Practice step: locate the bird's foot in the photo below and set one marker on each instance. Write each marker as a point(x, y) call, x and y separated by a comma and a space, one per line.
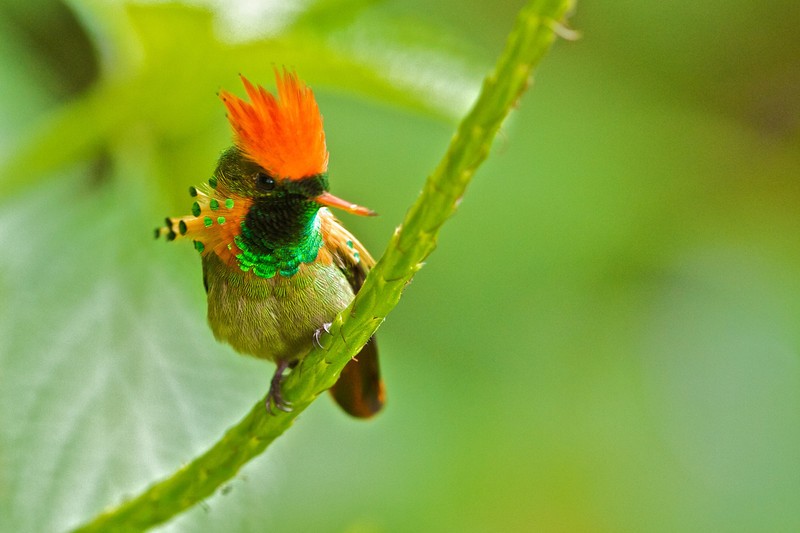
point(274, 396)
point(326, 327)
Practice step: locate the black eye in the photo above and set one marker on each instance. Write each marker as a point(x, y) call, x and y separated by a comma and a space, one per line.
point(265, 181)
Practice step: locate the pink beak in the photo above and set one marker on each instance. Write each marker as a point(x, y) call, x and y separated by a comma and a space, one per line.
point(330, 200)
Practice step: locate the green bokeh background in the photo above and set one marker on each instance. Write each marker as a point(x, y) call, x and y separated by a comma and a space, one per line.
point(606, 339)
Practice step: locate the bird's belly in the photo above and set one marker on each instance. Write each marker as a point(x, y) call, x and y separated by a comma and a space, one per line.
point(273, 318)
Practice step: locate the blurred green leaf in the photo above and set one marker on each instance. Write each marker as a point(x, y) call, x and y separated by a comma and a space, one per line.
point(331, 14)
point(88, 387)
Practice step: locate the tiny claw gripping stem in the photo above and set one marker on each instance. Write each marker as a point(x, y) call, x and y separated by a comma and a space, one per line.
point(275, 396)
point(318, 333)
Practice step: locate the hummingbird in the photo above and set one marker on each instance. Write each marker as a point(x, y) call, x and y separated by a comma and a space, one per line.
point(277, 265)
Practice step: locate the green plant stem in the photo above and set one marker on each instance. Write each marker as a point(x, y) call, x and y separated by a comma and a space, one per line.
point(411, 244)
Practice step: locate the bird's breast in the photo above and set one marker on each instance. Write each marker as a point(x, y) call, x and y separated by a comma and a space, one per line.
point(273, 318)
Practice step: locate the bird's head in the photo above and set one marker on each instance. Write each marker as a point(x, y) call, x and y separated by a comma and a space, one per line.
point(280, 153)
point(268, 187)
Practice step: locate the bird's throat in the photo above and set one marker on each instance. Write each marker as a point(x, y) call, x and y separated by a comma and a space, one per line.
point(277, 238)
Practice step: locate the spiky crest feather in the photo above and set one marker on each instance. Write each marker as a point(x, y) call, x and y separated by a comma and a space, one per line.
point(284, 135)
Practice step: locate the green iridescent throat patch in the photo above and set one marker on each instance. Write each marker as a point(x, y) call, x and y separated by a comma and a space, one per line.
point(284, 260)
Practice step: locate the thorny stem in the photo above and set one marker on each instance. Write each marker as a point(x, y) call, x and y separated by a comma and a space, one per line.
point(414, 240)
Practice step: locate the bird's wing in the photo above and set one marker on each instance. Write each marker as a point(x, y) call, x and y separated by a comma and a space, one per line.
point(359, 390)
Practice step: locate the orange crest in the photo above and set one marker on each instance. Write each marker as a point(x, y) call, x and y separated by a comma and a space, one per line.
point(284, 135)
